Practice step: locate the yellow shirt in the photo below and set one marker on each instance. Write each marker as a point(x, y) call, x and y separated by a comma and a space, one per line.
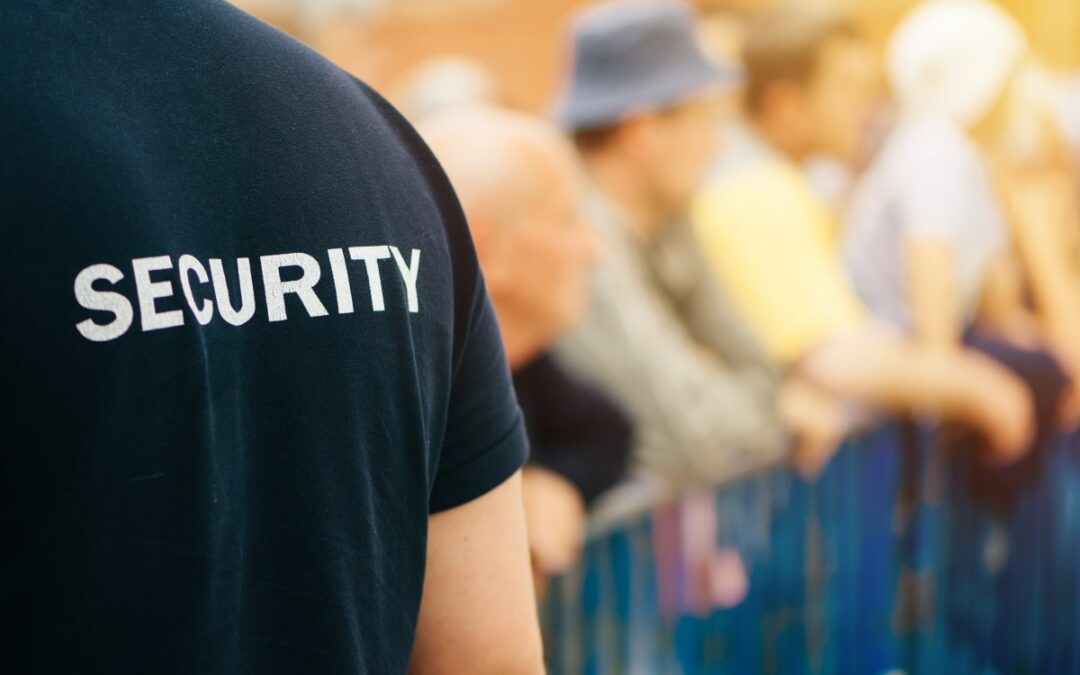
point(772, 242)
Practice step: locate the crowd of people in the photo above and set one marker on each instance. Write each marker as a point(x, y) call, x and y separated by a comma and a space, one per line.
point(784, 249)
point(698, 263)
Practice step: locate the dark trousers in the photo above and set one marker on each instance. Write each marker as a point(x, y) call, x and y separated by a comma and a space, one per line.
point(1047, 382)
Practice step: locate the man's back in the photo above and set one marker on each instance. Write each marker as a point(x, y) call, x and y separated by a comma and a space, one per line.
point(246, 338)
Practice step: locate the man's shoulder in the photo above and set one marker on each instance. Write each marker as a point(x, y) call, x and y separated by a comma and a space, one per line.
point(159, 47)
point(762, 195)
point(762, 178)
point(331, 91)
point(749, 171)
point(921, 142)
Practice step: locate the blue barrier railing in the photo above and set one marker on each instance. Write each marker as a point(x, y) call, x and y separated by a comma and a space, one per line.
point(888, 561)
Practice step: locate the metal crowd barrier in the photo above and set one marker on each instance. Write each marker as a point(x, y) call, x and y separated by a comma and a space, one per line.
point(892, 560)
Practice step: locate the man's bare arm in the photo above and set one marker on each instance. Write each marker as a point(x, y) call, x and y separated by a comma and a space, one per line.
point(478, 612)
point(936, 316)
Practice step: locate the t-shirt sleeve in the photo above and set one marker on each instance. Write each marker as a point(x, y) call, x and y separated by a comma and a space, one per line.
point(765, 217)
point(484, 442)
point(933, 184)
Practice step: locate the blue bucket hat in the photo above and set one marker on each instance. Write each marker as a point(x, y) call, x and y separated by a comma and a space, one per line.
point(633, 55)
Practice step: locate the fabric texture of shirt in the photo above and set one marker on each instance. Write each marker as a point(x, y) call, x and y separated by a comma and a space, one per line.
point(663, 342)
point(574, 430)
point(772, 243)
point(928, 182)
point(248, 349)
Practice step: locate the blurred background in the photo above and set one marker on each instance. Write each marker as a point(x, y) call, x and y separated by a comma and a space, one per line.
point(522, 41)
point(893, 214)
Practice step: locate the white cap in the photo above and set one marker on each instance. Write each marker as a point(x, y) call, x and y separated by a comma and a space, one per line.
point(954, 57)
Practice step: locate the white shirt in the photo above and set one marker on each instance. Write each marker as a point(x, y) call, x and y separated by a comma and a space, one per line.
point(928, 182)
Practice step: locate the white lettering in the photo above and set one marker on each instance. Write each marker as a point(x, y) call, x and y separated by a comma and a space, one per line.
point(205, 289)
point(105, 301)
point(188, 264)
point(371, 255)
point(149, 291)
point(276, 289)
point(341, 280)
point(221, 292)
point(408, 275)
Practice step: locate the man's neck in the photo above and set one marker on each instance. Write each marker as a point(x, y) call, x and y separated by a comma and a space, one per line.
point(520, 352)
point(621, 186)
point(778, 140)
point(520, 344)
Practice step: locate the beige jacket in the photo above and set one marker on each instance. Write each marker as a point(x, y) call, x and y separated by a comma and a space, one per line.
point(663, 341)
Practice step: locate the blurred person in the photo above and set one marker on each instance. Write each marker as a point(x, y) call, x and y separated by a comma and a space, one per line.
point(264, 421)
point(522, 191)
point(1067, 110)
point(927, 241)
point(659, 336)
point(774, 242)
point(1035, 171)
point(925, 217)
point(805, 93)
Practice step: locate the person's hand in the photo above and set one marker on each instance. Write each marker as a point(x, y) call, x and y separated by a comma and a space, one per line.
point(1004, 412)
point(555, 520)
point(817, 421)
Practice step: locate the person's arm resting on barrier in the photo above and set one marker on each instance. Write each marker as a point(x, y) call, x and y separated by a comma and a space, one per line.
point(697, 416)
point(1001, 410)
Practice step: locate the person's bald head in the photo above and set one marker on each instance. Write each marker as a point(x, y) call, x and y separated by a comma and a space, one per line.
point(519, 183)
point(500, 162)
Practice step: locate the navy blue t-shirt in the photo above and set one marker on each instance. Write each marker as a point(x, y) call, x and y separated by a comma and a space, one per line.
point(247, 350)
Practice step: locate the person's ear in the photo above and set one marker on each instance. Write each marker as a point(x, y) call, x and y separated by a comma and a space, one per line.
point(486, 235)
